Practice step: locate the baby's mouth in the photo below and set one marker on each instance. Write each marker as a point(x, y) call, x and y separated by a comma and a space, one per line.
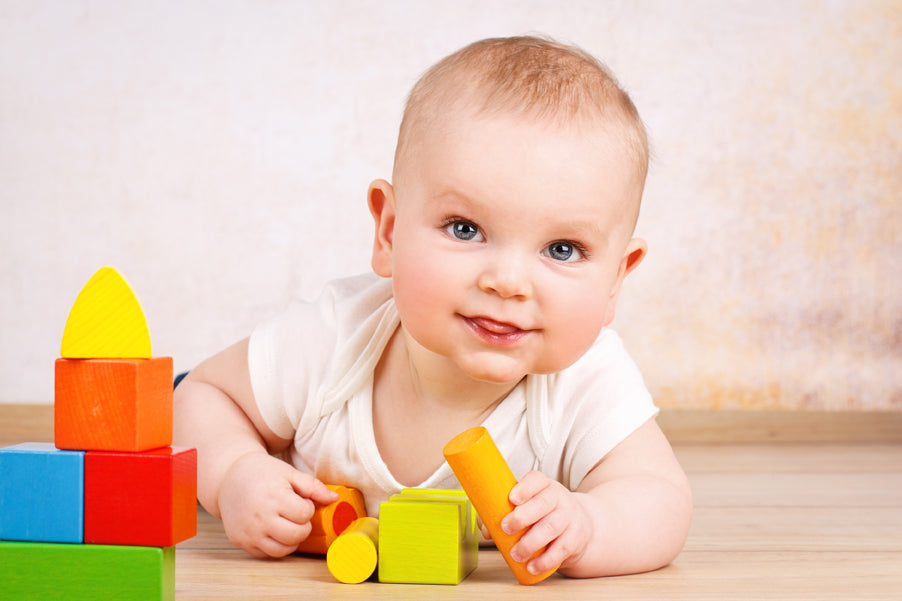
point(499, 328)
point(496, 333)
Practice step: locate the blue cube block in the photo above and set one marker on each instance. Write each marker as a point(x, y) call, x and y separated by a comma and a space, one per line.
point(42, 493)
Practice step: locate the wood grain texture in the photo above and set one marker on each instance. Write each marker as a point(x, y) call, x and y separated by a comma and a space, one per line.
point(106, 321)
point(354, 555)
point(834, 535)
point(26, 423)
point(427, 537)
point(745, 543)
point(147, 498)
point(487, 479)
point(34, 422)
point(41, 493)
point(113, 404)
point(706, 426)
point(36, 571)
point(329, 521)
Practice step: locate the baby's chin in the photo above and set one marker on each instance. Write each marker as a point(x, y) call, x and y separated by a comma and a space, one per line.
point(492, 372)
point(500, 371)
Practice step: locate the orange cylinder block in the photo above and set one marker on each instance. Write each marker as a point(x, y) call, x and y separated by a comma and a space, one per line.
point(487, 479)
point(329, 521)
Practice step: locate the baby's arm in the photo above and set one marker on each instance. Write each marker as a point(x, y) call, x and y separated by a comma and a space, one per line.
point(630, 514)
point(265, 504)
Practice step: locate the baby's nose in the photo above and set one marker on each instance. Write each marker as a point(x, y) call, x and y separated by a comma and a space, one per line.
point(508, 276)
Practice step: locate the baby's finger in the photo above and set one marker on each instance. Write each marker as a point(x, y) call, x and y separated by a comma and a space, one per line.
point(270, 547)
point(256, 551)
point(561, 549)
point(540, 534)
point(288, 533)
point(530, 512)
point(296, 508)
point(532, 484)
point(310, 488)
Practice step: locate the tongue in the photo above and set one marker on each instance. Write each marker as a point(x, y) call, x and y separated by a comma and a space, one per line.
point(495, 327)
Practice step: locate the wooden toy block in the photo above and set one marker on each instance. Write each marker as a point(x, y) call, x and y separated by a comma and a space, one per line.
point(329, 521)
point(38, 571)
point(487, 479)
point(469, 525)
point(353, 556)
point(41, 494)
point(113, 404)
point(106, 321)
point(146, 498)
point(427, 537)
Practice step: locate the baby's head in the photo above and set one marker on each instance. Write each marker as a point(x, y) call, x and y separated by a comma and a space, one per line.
point(507, 229)
point(534, 79)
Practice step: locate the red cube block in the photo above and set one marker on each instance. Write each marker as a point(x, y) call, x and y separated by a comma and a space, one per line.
point(144, 499)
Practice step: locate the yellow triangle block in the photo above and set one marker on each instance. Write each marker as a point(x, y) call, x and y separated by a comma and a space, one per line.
point(106, 321)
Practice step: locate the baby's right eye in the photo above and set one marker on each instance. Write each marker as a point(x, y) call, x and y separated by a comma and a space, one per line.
point(464, 230)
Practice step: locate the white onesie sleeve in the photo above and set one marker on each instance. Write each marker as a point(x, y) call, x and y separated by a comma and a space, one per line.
point(297, 359)
point(597, 403)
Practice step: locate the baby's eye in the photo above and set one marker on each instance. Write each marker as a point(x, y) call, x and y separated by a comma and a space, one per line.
point(464, 230)
point(566, 252)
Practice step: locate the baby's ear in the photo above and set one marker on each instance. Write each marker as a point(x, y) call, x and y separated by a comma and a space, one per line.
point(381, 200)
point(635, 251)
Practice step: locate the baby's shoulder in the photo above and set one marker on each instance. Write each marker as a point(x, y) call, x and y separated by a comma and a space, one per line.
point(605, 376)
point(606, 354)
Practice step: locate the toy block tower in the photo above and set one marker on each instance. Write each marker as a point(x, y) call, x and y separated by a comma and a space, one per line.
point(111, 497)
point(427, 537)
point(110, 394)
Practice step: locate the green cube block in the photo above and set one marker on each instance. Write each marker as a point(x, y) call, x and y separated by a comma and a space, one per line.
point(427, 537)
point(81, 572)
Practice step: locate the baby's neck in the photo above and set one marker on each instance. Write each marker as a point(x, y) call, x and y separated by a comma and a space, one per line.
point(419, 405)
point(434, 381)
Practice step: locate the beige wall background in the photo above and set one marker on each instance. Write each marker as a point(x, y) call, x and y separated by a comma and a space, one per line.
point(218, 154)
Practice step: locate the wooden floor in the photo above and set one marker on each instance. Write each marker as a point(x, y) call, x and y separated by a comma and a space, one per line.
point(773, 520)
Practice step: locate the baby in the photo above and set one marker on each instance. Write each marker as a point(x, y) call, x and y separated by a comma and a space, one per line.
point(500, 248)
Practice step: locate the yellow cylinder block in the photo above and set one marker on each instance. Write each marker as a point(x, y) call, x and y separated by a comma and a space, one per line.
point(353, 556)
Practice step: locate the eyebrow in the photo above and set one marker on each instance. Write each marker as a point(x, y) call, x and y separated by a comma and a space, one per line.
point(585, 228)
point(454, 196)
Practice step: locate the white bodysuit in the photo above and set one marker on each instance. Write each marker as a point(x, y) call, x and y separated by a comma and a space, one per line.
point(312, 367)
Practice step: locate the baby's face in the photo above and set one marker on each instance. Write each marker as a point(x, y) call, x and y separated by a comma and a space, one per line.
point(508, 242)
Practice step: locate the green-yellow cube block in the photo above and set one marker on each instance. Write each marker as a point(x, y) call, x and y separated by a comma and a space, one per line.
point(427, 537)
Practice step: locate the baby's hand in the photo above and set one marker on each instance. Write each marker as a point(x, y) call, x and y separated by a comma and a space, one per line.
point(553, 516)
point(266, 504)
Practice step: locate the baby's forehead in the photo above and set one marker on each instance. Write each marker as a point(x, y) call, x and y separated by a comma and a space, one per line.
point(586, 160)
point(606, 136)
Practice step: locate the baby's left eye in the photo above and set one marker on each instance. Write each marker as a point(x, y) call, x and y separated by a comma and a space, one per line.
point(464, 230)
point(563, 251)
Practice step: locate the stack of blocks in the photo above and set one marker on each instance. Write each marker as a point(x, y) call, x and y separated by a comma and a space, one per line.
point(97, 514)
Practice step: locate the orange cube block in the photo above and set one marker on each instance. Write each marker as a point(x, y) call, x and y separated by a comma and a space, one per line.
point(113, 404)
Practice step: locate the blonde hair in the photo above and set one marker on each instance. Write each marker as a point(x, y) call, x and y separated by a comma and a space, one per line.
point(528, 75)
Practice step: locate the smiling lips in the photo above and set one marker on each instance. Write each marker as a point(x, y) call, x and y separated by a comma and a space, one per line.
point(495, 332)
